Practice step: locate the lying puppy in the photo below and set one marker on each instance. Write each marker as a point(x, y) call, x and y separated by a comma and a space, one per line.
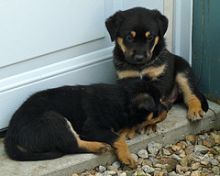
point(140, 52)
point(78, 119)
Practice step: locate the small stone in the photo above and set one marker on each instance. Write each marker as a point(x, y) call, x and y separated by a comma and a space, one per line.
point(98, 174)
point(218, 158)
point(176, 157)
point(217, 148)
point(180, 169)
point(129, 172)
point(216, 138)
point(134, 156)
point(143, 154)
point(184, 162)
point(196, 173)
point(111, 168)
point(116, 164)
point(110, 172)
point(166, 152)
point(139, 172)
point(148, 169)
point(140, 161)
point(182, 145)
point(75, 174)
point(206, 158)
point(214, 162)
point(209, 142)
point(154, 147)
point(201, 149)
point(182, 153)
point(195, 166)
point(216, 170)
point(189, 149)
point(194, 157)
point(159, 173)
point(204, 162)
point(173, 174)
point(188, 173)
point(122, 174)
point(170, 163)
point(175, 148)
point(191, 138)
point(153, 160)
point(162, 166)
point(102, 169)
point(147, 162)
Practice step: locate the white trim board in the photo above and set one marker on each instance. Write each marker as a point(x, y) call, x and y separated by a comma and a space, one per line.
point(183, 21)
point(89, 68)
point(168, 12)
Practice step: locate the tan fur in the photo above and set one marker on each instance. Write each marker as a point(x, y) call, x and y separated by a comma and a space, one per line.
point(122, 152)
point(153, 121)
point(133, 34)
point(122, 45)
point(128, 74)
point(156, 40)
point(194, 105)
point(128, 133)
point(94, 147)
point(147, 34)
point(90, 146)
point(154, 72)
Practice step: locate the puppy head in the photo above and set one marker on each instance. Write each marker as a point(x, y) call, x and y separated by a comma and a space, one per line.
point(137, 32)
point(144, 101)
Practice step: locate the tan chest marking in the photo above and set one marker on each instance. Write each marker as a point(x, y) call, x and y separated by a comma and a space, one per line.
point(154, 72)
point(156, 41)
point(128, 74)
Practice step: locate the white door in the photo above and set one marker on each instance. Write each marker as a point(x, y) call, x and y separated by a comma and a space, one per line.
point(49, 43)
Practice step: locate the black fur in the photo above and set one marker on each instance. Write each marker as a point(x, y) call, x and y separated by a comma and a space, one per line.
point(38, 130)
point(141, 20)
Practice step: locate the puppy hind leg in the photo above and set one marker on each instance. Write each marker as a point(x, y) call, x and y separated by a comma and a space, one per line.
point(85, 146)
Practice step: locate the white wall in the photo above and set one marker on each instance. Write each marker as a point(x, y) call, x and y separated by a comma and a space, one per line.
point(182, 36)
point(49, 43)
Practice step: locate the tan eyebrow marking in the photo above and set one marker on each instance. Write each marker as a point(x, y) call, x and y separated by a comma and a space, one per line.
point(133, 34)
point(147, 34)
point(121, 44)
point(155, 43)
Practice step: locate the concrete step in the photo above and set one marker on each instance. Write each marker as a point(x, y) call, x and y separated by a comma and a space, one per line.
point(174, 128)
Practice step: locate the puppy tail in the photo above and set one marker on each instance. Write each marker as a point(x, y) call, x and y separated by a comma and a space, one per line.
point(18, 153)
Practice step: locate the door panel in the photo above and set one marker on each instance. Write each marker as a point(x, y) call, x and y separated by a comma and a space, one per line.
point(206, 55)
point(31, 28)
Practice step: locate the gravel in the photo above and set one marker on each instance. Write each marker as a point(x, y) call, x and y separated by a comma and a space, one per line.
point(197, 155)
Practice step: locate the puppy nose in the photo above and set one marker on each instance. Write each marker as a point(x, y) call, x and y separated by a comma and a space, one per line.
point(139, 57)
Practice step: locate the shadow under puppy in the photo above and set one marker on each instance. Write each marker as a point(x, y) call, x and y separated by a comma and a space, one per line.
point(78, 119)
point(140, 52)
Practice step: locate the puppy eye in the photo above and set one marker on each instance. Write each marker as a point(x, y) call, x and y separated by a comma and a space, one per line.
point(129, 38)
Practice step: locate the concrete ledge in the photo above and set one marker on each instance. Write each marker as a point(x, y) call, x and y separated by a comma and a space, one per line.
point(174, 128)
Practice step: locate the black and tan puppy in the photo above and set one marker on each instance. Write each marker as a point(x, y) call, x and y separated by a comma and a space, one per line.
point(77, 119)
point(140, 52)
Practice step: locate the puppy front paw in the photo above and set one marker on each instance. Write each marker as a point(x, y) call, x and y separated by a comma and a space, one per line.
point(195, 113)
point(129, 161)
point(104, 148)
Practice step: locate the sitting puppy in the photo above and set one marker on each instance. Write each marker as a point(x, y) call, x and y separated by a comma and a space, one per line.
point(78, 119)
point(140, 52)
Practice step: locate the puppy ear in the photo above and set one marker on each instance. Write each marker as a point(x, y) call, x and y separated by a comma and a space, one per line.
point(144, 101)
point(113, 23)
point(162, 22)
